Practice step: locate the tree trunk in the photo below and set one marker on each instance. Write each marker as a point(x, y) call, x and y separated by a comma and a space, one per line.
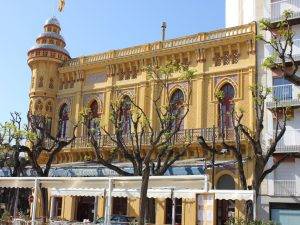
point(249, 210)
point(44, 200)
point(16, 202)
point(258, 168)
point(11, 200)
point(143, 195)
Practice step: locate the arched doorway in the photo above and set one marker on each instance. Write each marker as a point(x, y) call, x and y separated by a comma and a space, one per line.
point(225, 208)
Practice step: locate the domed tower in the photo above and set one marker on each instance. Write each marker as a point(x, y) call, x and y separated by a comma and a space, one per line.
point(44, 60)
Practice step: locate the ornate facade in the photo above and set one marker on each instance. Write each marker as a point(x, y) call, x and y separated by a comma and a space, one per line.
point(62, 86)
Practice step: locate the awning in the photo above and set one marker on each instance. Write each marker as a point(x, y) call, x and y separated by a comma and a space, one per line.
point(77, 192)
point(155, 182)
point(94, 170)
point(17, 183)
point(158, 193)
point(234, 194)
point(128, 193)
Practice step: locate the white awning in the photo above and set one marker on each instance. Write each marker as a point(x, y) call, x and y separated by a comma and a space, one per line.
point(158, 193)
point(155, 182)
point(78, 192)
point(16, 183)
point(128, 193)
point(187, 193)
point(234, 194)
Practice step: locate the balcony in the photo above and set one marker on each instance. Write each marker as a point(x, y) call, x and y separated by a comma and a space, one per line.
point(285, 187)
point(284, 96)
point(184, 136)
point(290, 142)
point(278, 7)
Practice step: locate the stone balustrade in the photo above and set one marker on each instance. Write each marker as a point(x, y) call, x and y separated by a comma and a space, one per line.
point(156, 46)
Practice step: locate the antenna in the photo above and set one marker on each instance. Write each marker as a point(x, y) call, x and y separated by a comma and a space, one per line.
point(163, 30)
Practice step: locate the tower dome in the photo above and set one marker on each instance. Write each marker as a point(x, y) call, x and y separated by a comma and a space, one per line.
point(50, 43)
point(52, 21)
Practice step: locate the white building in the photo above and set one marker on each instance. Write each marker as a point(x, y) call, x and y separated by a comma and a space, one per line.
point(280, 193)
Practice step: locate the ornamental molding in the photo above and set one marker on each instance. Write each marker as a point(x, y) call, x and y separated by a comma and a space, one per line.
point(183, 86)
point(221, 79)
point(90, 97)
point(131, 92)
point(64, 100)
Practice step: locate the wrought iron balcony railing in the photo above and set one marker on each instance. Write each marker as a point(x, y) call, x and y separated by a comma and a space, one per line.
point(184, 136)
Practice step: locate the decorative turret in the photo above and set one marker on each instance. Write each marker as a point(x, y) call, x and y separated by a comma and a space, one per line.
point(44, 60)
point(49, 44)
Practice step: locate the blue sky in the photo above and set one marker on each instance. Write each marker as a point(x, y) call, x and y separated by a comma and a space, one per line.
point(90, 26)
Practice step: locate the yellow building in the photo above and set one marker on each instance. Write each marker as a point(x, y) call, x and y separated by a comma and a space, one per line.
point(62, 86)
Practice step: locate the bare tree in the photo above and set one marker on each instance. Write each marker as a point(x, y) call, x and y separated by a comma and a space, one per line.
point(280, 39)
point(261, 153)
point(150, 149)
point(32, 140)
point(10, 157)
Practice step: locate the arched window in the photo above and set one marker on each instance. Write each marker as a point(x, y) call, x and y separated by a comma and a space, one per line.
point(51, 83)
point(94, 125)
point(177, 109)
point(38, 106)
point(94, 109)
point(41, 82)
point(125, 116)
point(225, 108)
point(32, 82)
point(49, 107)
point(226, 182)
point(63, 121)
point(30, 107)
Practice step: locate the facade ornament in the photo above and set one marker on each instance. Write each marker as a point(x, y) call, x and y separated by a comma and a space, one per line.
point(99, 97)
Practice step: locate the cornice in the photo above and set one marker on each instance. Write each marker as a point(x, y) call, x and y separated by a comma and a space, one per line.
point(188, 43)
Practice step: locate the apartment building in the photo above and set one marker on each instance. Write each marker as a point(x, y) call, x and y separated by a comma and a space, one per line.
point(280, 193)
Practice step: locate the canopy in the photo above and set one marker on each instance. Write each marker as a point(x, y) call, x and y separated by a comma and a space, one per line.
point(185, 186)
point(197, 182)
point(59, 192)
point(128, 193)
point(234, 194)
point(181, 167)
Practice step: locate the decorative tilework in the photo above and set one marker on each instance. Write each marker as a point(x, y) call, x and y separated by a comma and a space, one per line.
point(95, 78)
